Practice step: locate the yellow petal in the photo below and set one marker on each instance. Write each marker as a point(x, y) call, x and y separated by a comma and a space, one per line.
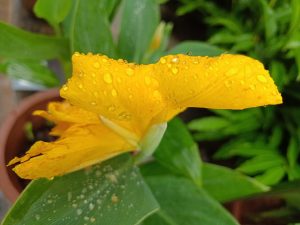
point(137, 96)
point(79, 147)
point(224, 82)
point(124, 93)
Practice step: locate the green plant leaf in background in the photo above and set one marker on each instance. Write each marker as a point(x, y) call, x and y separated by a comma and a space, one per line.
point(139, 20)
point(54, 11)
point(225, 184)
point(19, 44)
point(32, 71)
point(178, 152)
point(184, 203)
point(108, 194)
point(89, 28)
point(196, 48)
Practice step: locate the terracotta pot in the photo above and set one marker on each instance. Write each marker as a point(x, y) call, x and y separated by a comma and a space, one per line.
point(13, 138)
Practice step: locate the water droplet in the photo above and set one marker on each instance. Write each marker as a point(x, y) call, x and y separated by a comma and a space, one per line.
point(231, 72)
point(175, 60)
point(76, 54)
point(163, 60)
point(93, 103)
point(169, 65)
point(242, 82)
point(93, 75)
point(107, 78)
point(80, 86)
point(65, 88)
point(111, 108)
point(79, 212)
point(114, 198)
point(174, 70)
point(262, 78)
point(112, 178)
point(104, 60)
point(195, 61)
point(129, 71)
point(147, 80)
point(96, 65)
point(130, 96)
point(114, 92)
point(91, 206)
point(124, 116)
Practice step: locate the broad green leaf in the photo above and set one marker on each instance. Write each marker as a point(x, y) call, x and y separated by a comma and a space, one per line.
point(178, 152)
point(293, 172)
point(272, 175)
point(54, 11)
point(89, 28)
point(222, 183)
point(225, 184)
point(19, 44)
point(278, 72)
point(261, 162)
point(32, 71)
point(138, 23)
point(184, 203)
point(108, 194)
point(196, 48)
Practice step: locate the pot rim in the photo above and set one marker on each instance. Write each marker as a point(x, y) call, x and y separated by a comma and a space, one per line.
point(6, 185)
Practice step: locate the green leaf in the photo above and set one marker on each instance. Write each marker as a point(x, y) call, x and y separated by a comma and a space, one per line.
point(20, 44)
point(138, 23)
point(272, 175)
point(269, 19)
point(89, 28)
point(108, 194)
point(293, 152)
point(54, 11)
point(225, 184)
point(242, 147)
point(209, 123)
point(179, 153)
point(184, 203)
point(32, 71)
point(261, 163)
point(196, 48)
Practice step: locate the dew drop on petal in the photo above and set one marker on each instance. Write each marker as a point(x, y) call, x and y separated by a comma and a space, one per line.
point(93, 103)
point(262, 78)
point(93, 75)
point(80, 86)
point(252, 87)
point(107, 78)
point(65, 88)
point(129, 71)
point(175, 60)
point(174, 70)
point(96, 65)
point(163, 60)
point(111, 108)
point(114, 92)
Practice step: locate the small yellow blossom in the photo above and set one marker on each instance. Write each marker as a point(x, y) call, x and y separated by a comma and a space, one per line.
point(114, 106)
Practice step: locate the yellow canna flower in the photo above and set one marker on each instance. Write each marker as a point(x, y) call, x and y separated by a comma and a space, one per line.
point(114, 106)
